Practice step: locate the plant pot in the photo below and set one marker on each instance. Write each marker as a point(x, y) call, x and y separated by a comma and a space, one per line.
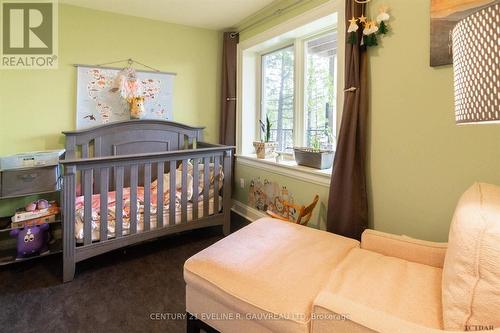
point(264, 149)
point(314, 158)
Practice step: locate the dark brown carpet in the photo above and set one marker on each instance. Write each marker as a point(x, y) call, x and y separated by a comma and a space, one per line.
point(115, 292)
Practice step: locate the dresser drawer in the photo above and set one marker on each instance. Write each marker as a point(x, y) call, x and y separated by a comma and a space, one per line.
point(32, 180)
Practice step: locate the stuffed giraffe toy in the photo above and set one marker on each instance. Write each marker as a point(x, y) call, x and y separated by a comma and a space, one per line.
point(137, 110)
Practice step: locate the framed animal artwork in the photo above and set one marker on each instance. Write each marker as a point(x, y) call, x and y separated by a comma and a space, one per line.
point(99, 100)
point(444, 15)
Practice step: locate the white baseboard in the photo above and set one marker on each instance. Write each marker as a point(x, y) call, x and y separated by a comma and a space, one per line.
point(249, 213)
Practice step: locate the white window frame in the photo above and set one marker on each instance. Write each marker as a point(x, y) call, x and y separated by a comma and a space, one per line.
point(249, 103)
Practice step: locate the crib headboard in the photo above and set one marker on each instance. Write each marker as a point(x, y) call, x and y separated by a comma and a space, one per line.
point(131, 137)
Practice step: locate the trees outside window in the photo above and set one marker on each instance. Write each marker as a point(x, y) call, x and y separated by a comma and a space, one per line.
point(278, 95)
point(320, 101)
point(312, 124)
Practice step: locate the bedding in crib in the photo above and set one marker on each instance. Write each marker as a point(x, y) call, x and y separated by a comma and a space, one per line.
point(140, 204)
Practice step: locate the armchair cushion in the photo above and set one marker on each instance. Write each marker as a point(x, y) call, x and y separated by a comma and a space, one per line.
point(336, 314)
point(471, 273)
point(404, 247)
point(405, 290)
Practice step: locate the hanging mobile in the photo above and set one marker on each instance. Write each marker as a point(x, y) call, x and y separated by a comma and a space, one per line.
point(370, 29)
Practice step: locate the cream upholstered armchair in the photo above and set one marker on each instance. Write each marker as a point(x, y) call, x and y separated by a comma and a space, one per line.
point(390, 284)
point(273, 276)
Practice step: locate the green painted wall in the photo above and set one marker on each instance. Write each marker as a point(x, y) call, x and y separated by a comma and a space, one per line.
point(36, 105)
point(419, 161)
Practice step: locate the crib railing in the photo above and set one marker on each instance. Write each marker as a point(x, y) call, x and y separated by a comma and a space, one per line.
point(94, 176)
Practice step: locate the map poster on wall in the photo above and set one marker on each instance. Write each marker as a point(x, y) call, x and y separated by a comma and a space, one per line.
point(99, 103)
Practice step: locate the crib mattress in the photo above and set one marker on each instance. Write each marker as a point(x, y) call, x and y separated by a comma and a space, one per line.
point(96, 225)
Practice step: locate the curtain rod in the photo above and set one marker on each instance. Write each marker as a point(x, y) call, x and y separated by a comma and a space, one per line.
point(277, 12)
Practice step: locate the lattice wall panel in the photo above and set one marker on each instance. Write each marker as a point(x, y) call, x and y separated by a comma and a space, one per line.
point(476, 63)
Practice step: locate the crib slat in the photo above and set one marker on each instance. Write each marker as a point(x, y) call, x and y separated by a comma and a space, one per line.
point(97, 146)
point(184, 192)
point(97, 153)
point(206, 185)
point(147, 196)
point(119, 202)
point(133, 198)
point(159, 194)
point(87, 210)
point(85, 150)
point(216, 183)
point(104, 188)
point(85, 154)
point(172, 193)
point(196, 185)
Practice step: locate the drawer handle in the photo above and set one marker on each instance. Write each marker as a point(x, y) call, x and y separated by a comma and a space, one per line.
point(29, 177)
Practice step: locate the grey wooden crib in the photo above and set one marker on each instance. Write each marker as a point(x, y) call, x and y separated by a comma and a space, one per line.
point(132, 181)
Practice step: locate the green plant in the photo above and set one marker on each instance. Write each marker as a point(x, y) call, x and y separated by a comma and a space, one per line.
point(266, 129)
point(315, 143)
point(329, 134)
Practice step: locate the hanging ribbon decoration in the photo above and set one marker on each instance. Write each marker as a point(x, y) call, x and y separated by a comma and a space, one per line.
point(370, 29)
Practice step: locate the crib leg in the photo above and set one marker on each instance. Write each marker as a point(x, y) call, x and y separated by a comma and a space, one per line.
point(68, 200)
point(226, 227)
point(226, 222)
point(68, 270)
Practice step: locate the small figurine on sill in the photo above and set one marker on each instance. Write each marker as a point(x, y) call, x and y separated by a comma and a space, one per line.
point(31, 240)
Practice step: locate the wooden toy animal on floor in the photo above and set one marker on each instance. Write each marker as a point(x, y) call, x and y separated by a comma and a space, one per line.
point(31, 240)
point(137, 110)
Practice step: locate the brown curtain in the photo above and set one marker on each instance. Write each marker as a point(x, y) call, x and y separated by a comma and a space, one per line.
point(347, 203)
point(227, 128)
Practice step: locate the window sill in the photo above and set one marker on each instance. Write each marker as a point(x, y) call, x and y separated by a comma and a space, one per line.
point(287, 168)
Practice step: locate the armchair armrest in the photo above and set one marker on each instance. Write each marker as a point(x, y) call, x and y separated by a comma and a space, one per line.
point(335, 314)
point(404, 247)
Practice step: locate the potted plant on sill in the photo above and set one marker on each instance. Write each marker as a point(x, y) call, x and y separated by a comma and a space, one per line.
point(265, 147)
point(315, 157)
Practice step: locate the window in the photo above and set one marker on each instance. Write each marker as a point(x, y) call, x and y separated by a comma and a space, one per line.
point(278, 95)
point(298, 92)
point(320, 87)
point(289, 75)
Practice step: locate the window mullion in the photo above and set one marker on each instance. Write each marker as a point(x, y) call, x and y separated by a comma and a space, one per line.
point(298, 133)
point(259, 84)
